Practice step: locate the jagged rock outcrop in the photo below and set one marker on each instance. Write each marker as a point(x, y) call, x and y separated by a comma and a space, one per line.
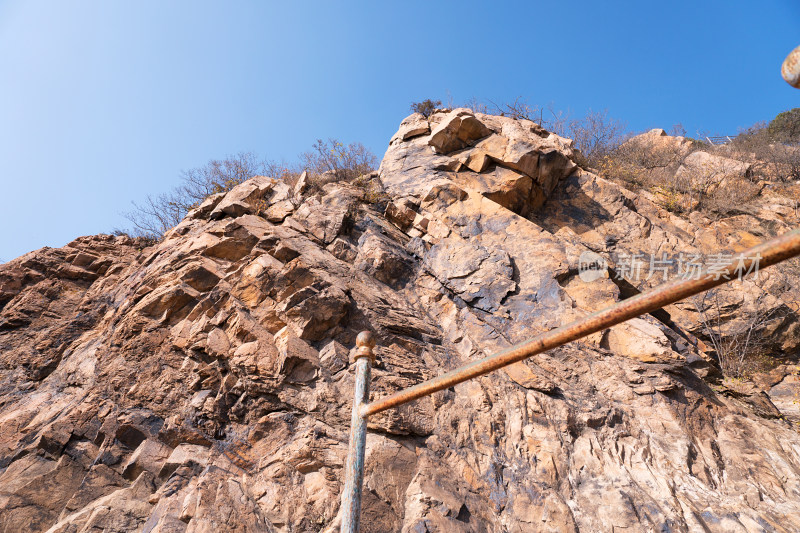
point(203, 383)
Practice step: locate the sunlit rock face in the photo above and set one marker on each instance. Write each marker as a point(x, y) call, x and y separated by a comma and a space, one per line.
point(204, 383)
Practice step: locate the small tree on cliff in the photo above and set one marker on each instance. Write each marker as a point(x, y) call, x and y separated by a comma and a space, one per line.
point(425, 107)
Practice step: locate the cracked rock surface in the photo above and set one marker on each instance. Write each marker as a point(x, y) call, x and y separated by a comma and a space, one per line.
point(204, 383)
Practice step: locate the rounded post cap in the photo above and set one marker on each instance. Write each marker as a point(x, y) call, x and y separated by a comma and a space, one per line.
point(365, 342)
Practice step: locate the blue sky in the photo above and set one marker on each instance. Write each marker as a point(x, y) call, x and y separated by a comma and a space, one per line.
point(103, 102)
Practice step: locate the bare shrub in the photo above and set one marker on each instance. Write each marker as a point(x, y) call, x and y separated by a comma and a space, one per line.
point(328, 161)
point(333, 161)
point(596, 135)
point(773, 157)
point(338, 161)
point(548, 117)
point(646, 156)
point(677, 130)
point(218, 175)
point(476, 106)
point(742, 344)
point(731, 196)
point(555, 120)
point(644, 164)
point(159, 213)
point(519, 109)
point(714, 186)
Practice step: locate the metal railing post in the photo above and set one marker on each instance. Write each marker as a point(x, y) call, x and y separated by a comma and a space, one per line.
point(351, 497)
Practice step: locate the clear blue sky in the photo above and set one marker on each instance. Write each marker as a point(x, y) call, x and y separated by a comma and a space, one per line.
point(103, 102)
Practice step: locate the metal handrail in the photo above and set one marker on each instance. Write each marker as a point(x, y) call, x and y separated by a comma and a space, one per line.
point(764, 255)
point(761, 256)
point(719, 139)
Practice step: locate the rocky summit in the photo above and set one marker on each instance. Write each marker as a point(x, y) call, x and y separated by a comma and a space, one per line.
point(204, 383)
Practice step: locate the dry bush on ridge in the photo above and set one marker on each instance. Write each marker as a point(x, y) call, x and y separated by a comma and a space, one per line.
point(159, 213)
point(596, 135)
point(338, 161)
point(549, 118)
point(642, 163)
point(519, 109)
point(476, 106)
point(718, 185)
point(606, 147)
point(731, 197)
point(772, 158)
point(425, 107)
point(219, 175)
point(156, 215)
point(333, 161)
point(328, 161)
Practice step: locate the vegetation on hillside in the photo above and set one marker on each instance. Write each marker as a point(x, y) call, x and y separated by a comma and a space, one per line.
point(425, 107)
point(327, 161)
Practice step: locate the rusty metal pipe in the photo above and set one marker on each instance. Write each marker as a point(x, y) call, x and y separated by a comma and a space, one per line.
point(354, 475)
point(763, 255)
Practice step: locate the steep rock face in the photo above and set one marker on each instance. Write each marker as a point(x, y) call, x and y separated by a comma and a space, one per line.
point(204, 384)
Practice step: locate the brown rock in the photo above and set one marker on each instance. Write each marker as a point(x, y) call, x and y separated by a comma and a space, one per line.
point(383, 259)
point(412, 126)
point(456, 131)
point(150, 455)
point(299, 362)
point(218, 343)
point(311, 313)
point(480, 276)
point(639, 340)
point(243, 198)
point(173, 388)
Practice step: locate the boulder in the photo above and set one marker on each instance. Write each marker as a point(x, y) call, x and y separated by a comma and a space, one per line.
point(243, 198)
point(640, 340)
point(298, 362)
point(456, 131)
point(704, 171)
point(412, 126)
point(150, 456)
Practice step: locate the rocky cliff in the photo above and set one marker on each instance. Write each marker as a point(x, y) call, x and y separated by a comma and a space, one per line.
point(204, 383)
